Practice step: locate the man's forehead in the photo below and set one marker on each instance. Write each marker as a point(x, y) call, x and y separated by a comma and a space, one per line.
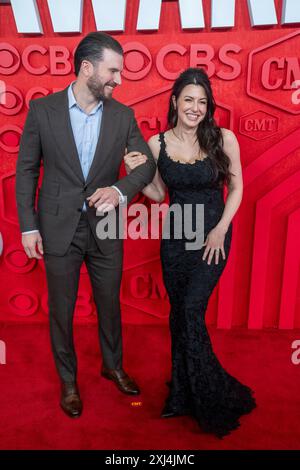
point(111, 56)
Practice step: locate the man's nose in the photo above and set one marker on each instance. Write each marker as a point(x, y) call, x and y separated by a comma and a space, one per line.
point(117, 78)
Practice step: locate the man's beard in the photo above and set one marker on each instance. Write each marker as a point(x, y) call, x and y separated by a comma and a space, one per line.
point(97, 88)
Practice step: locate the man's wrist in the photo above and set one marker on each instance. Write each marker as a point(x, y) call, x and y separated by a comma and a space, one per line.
point(121, 197)
point(30, 231)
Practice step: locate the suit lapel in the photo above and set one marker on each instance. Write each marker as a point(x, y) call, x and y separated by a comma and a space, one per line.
point(60, 123)
point(62, 130)
point(107, 136)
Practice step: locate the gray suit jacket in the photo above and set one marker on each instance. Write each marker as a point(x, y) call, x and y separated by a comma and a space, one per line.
point(48, 138)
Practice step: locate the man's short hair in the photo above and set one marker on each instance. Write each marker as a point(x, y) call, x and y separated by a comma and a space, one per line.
point(92, 46)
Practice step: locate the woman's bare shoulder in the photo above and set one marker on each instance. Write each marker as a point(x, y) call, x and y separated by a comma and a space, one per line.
point(231, 145)
point(229, 137)
point(154, 144)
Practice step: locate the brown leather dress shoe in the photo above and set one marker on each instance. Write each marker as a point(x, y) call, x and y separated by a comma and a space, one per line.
point(70, 400)
point(124, 383)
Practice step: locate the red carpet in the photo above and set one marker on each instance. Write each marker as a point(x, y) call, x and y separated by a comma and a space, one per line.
point(31, 418)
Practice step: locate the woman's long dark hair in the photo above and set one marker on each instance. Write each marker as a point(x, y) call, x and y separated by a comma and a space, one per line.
point(208, 133)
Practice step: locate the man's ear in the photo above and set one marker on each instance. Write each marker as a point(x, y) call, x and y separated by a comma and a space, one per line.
point(86, 68)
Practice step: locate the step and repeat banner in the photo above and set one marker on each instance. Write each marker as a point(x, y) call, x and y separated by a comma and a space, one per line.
point(250, 50)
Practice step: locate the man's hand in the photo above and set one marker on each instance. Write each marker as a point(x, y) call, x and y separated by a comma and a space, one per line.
point(104, 199)
point(33, 245)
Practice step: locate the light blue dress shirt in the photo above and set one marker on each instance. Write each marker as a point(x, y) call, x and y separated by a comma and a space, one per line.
point(86, 129)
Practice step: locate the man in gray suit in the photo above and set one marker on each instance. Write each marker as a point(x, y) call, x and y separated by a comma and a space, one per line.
point(80, 134)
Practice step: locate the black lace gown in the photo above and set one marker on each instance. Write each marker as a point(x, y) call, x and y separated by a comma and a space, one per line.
point(199, 385)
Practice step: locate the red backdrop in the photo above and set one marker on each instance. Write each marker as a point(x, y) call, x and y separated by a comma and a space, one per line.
point(259, 287)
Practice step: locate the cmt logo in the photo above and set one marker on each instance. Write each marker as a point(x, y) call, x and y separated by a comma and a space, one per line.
point(274, 72)
point(258, 125)
point(2, 352)
point(66, 15)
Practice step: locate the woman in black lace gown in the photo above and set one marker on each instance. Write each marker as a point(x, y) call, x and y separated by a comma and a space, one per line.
point(195, 159)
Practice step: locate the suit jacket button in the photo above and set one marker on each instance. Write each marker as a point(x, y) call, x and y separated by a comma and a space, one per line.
point(79, 209)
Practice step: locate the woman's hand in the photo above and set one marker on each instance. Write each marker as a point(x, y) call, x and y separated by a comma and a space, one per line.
point(134, 159)
point(214, 244)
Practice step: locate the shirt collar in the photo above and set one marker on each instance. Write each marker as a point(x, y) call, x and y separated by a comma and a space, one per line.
point(73, 102)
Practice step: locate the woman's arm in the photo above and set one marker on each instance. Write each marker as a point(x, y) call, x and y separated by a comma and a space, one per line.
point(235, 189)
point(156, 189)
point(214, 244)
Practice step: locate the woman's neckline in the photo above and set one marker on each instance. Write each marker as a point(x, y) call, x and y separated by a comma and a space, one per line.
point(180, 162)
